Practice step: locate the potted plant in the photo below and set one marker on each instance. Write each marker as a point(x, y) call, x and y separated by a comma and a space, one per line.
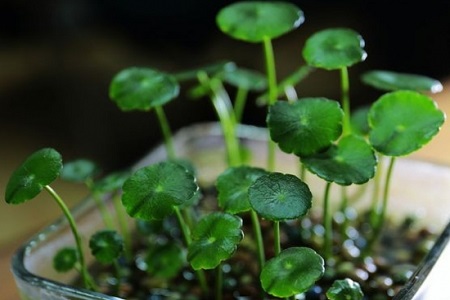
point(229, 211)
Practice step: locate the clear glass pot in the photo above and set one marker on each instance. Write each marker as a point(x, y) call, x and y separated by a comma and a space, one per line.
point(420, 188)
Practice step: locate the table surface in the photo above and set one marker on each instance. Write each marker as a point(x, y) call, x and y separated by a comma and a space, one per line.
point(438, 150)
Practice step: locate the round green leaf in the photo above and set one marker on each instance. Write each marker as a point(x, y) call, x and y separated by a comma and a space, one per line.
point(165, 261)
point(305, 126)
point(214, 239)
point(142, 89)
point(280, 197)
point(403, 121)
point(345, 289)
point(38, 170)
point(334, 48)
point(254, 21)
point(391, 81)
point(106, 246)
point(351, 161)
point(359, 121)
point(232, 187)
point(65, 259)
point(111, 182)
point(153, 191)
point(79, 170)
point(246, 79)
point(292, 272)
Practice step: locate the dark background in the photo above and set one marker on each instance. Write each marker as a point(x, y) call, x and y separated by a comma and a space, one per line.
point(58, 57)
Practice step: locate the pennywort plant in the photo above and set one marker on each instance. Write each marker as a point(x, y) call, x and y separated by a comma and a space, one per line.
point(331, 140)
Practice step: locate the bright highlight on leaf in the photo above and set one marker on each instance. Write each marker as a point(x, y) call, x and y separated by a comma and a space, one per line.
point(106, 246)
point(232, 187)
point(305, 126)
point(351, 161)
point(254, 21)
point(153, 191)
point(214, 239)
point(292, 272)
point(334, 48)
point(391, 81)
point(402, 122)
point(280, 197)
point(40, 169)
point(142, 89)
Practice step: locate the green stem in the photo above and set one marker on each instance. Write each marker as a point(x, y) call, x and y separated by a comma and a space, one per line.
point(167, 133)
point(272, 81)
point(219, 282)
point(106, 215)
point(83, 267)
point(187, 239)
point(123, 224)
point(327, 224)
point(239, 104)
point(276, 234)
point(383, 209)
point(376, 192)
point(224, 109)
point(345, 100)
point(259, 239)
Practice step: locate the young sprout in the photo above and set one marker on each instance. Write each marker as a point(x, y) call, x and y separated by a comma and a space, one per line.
point(35, 174)
point(292, 272)
point(65, 259)
point(144, 89)
point(345, 289)
point(261, 22)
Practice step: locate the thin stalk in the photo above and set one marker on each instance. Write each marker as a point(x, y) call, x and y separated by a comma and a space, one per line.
point(224, 110)
point(327, 224)
point(345, 101)
point(123, 225)
point(83, 267)
point(382, 210)
point(376, 192)
point(239, 104)
point(106, 215)
point(167, 133)
point(219, 282)
point(272, 81)
point(259, 240)
point(276, 234)
point(187, 240)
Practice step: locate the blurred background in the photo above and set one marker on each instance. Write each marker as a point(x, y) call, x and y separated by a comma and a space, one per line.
point(57, 59)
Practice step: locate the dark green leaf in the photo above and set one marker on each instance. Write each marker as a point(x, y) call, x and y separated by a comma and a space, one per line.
point(165, 261)
point(152, 191)
point(345, 289)
point(232, 187)
point(403, 121)
point(280, 197)
point(65, 259)
point(334, 48)
point(254, 21)
point(292, 272)
point(38, 170)
point(106, 246)
point(305, 126)
point(142, 89)
point(351, 161)
point(214, 239)
point(391, 81)
point(79, 170)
